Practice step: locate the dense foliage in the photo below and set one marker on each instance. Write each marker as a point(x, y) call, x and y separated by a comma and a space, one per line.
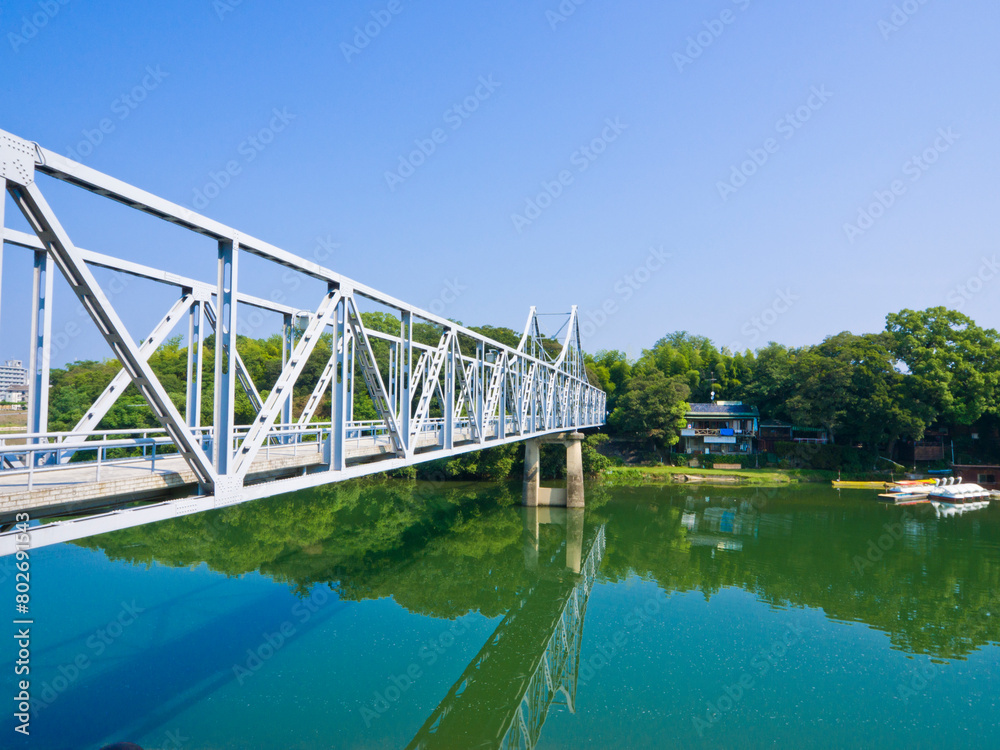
point(927, 368)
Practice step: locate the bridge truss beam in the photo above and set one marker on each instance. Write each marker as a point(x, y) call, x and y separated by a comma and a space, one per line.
point(430, 399)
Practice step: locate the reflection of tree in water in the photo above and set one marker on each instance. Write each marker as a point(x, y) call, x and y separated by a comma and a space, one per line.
point(447, 551)
point(935, 591)
point(437, 551)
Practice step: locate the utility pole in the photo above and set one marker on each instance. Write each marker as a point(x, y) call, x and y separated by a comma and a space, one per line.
point(711, 381)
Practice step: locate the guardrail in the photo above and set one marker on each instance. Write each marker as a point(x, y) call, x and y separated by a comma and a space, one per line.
point(43, 453)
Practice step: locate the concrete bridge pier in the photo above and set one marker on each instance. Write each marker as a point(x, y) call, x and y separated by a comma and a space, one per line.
point(571, 519)
point(531, 540)
point(534, 494)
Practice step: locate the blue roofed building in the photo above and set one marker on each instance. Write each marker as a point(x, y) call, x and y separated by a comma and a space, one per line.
point(721, 427)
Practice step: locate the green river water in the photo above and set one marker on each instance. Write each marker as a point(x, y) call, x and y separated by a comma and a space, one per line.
point(396, 614)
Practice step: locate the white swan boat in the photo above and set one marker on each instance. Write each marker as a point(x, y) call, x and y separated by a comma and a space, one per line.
point(954, 490)
point(952, 496)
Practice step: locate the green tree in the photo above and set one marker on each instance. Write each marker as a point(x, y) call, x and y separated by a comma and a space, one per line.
point(768, 380)
point(506, 336)
point(954, 363)
point(850, 385)
point(652, 409)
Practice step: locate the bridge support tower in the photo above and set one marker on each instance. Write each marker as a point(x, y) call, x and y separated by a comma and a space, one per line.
point(534, 494)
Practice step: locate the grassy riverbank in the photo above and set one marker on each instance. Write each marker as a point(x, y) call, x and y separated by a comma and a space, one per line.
point(657, 474)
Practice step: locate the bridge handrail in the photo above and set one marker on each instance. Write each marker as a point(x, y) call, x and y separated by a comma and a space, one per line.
point(155, 437)
point(58, 442)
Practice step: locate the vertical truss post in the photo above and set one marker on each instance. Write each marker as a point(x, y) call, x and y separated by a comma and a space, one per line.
point(504, 363)
point(532, 395)
point(406, 360)
point(41, 345)
point(225, 356)
point(349, 359)
point(481, 389)
point(515, 405)
point(287, 343)
point(395, 357)
point(392, 385)
point(543, 379)
point(338, 408)
point(449, 396)
point(194, 365)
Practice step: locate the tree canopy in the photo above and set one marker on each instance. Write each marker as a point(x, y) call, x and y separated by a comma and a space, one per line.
point(927, 368)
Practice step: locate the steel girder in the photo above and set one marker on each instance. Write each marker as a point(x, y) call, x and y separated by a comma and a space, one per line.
point(138, 270)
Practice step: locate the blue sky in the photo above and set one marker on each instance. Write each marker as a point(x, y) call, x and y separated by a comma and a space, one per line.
point(686, 165)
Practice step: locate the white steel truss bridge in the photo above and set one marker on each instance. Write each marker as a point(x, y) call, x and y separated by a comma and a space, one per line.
point(436, 388)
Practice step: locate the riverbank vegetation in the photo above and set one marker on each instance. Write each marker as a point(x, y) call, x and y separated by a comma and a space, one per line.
point(872, 393)
point(637, 475)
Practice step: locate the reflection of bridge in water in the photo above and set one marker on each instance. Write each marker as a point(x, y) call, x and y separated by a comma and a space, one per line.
point(531, 660)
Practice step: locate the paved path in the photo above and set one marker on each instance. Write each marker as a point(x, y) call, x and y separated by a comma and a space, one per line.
point(123, 481)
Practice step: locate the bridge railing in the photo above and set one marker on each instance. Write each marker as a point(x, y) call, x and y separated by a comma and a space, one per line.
point(51, 454)
point(51, 450)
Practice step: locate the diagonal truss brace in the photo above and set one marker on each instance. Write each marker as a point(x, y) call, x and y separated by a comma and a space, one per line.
point(373, 378)
point(419, 370)
point(242, 374)
point(466, 397)
point(102, 405)
point(80, 279)
point(512, 396)
point(316, 397)
point(430, 384)
point(325, 314)
point(495, 388)
point(527, 394)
